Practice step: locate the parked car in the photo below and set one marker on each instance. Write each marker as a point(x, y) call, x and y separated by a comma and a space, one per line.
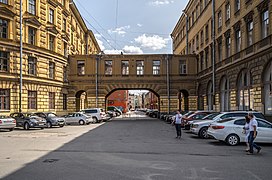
point(78, 118)
point(154, 113)
point(200, 127)
point(96, 113)
point(112, 114)
point(195, 116)
point(51, 119)
point(28, 120)
point(115, 109)
point(7, 122)
point(230, 131)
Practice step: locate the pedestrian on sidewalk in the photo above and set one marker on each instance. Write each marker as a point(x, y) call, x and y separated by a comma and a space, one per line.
point(246, 131)
point(177, 123)
point(253, 124)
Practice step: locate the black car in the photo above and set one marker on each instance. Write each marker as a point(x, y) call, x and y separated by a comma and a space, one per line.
point(28, 120)
point(51, 119)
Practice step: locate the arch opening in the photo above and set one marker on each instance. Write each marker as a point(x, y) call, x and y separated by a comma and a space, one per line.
point(183, 98)
point(81, 100)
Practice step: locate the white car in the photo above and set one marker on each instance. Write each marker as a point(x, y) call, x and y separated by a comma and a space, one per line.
point(230, 130)
point(7, 123)
point(98, 114)
point(200, 127)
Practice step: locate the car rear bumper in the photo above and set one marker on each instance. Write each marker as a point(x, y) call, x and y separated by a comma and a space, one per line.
point(7, 126)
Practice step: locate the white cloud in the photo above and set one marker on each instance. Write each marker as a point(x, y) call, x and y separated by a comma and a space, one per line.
point(139, 25)
point(112, 51)
point(154, 42)
point(132, 50)
point(161, 2)
point(100, 43)
point(119, 30)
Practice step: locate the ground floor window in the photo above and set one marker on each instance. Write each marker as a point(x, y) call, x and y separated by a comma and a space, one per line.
point(64, 101)
point(224, 94)
point(4, 99)
point(245, 94)
point(268, 89)
point(32, 99)
point(210, 96)
point(51, 100)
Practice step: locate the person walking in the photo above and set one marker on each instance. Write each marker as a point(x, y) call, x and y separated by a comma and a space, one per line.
point(246, 132)
point(253, 124)
point(177, 123)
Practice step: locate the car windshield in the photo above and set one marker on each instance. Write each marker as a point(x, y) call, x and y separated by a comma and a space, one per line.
point(211, 116)
point(3, 116)
point(29, 115)
point(189, 113)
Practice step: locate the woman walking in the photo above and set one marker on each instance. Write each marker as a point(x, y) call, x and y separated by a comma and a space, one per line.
point(246, 132)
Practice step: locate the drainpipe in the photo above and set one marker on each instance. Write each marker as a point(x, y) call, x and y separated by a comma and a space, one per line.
point(21, 56)
point(213, 51)
point(168, 82)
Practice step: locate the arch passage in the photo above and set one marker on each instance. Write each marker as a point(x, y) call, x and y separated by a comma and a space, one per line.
point(81, 100)
point(183, 100)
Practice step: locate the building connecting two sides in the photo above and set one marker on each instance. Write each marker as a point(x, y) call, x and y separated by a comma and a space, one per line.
point(221, 59)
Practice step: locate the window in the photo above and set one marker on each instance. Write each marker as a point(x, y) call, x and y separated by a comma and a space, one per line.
point(51, 70)
point(201, 61)
point(267, 89)
point(220, 50)
point(31, 35)
point(4, 99)
point(263, 124)
point(245, 94)
point(265, 24)
point(228, 46)
point(202, 37)
point(125, 68)
point(51, 100)
point(197, 12)
point(65, 49)
point(227, 11)
point(156, 67)
point(250, 33)
point(237, 5)
point(108, 67)
point(197, 42)
point(65, 75)
point(64, 24)
point(63, 2)
point(220, 19)
point(51, 42)
point(206, 57)
point(51, 16)
point(182, 67)
point(201, 6)
point(32, 99)
point(4, 57)
point(81, 67)
point(140, 67)
point(224, 94)
point(240, 122)
point(32, 7)
point(238, 40)
point(207, 32)
point(64, 102)
point(4, 1)
point(3, 28)
point(32, 64)
point(210, 98)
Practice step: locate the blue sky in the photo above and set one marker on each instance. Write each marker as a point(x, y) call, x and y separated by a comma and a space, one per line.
point(132, 26)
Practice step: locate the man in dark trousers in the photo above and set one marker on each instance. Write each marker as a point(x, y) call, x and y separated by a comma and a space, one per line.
point(177, 122)
point(253, 124)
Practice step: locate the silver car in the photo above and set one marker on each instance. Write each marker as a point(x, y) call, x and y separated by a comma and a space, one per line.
point(78, 118)
point(7, 122)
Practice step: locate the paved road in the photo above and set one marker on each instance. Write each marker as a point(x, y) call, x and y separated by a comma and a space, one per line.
point(143, 149)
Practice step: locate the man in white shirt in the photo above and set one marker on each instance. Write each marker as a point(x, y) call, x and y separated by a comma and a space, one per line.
point(253, 124)
point(177, 121)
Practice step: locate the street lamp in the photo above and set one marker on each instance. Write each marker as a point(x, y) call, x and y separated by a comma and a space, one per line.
point(186, 16)
point(98, 58)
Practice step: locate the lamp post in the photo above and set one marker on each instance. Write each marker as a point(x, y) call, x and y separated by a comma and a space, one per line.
point(213, 51)
point(21, 56)
point(187, 47)
point(98, 58)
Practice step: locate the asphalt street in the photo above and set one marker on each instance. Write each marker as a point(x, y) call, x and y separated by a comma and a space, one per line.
point(141, 148)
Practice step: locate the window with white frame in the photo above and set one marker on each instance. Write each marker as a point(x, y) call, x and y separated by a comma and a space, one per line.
point(3, 28)
point(265, 24)
point(32, 7)
point(51, 70)
point(31, 35)
point(156, 67)
point(32, 99)
point(51, 15)
point(81, 67)
point(108, 67)
point(250, 33)
point(125, 67)
point(140, 67)
point(182, 67)
point(237, 5)
point(228, 11)
point(238, 40)
point(32, 65)
point(219, 19)
point(228, 46)
point(4, 61)
point(51, 42)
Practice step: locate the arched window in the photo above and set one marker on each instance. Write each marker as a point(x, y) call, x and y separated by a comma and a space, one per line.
point(200, 98)
point(245, 92)
point(224, 94)
point(268, 89)
point(210, 96)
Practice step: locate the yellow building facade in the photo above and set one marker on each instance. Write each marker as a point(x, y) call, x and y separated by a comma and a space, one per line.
point(51, 31)
point(243, 53)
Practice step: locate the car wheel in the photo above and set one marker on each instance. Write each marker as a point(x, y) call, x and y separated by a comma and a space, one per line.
point(81, 122)
point(203, 133)
point(48, 124)
point(11, 129)
point(233, 140)
point(61, 125)
point(26, 126)
point(95, 119)
point(42, 128)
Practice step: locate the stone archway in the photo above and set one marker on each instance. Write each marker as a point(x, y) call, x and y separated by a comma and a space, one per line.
point(81, 100)
point(200, 97)
point(267, 89)
point(183, 98)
